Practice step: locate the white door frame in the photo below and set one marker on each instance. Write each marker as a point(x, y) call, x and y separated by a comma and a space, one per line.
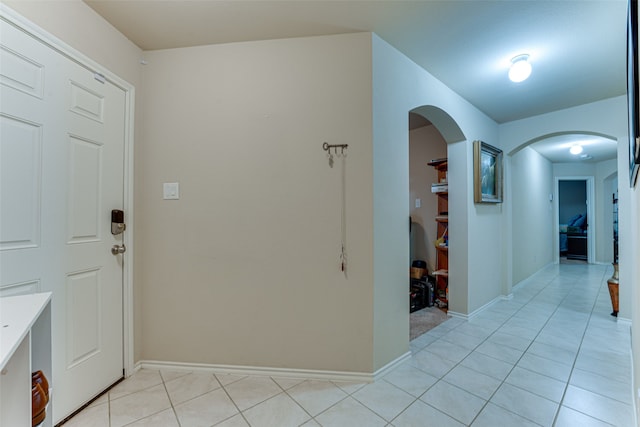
point(591, 216)
point(10, 16)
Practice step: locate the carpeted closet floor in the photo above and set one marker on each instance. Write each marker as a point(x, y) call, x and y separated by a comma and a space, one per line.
point(424, 320)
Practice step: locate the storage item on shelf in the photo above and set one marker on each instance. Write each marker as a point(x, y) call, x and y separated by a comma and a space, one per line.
point(39, 402)
point(421, 294)
point(418, 269)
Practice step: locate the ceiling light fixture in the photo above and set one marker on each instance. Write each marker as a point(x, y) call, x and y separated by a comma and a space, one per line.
point(575, 149)
point(520, 68)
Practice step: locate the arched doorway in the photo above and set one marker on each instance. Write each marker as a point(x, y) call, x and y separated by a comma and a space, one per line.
point(429, 214)
point(536, 168)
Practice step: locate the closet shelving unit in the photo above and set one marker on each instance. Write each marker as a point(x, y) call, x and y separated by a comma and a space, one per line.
point(441, 273)
point(25, 347)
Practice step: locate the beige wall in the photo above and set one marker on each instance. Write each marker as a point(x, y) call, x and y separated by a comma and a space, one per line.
point(532, 227)
point(244, 269)
point(425, 144)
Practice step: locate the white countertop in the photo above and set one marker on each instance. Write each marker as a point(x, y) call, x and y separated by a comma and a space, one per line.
point(17, 315)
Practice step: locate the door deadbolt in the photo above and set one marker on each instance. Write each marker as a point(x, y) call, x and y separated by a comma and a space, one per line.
point(117, 222)
point(118, 249)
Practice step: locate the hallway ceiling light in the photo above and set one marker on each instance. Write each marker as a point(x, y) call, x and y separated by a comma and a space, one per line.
point(575, 149)
point(520, 68)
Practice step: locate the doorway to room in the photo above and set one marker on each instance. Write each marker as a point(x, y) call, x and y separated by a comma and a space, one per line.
point(427, 227)
point(574, 217)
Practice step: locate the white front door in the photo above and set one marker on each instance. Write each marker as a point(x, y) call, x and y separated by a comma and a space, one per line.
point(62, 132)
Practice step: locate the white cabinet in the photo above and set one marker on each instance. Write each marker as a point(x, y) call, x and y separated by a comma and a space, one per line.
point(25, 347)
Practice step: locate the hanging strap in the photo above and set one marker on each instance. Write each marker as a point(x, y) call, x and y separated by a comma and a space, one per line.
point(343, 216)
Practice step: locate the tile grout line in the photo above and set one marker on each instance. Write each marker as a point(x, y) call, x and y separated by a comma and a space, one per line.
point(502, 382)
point(173, 408)
point(474, 349)
point(567, 383)
point(524, 352)
point(222, 386)
point(572, 288)
point(140, 391)
point(303, 408)
point(600, 287)
point(566, 386)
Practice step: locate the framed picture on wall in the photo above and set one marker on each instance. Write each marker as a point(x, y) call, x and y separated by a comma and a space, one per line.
point(632, 91)
point(487, 173)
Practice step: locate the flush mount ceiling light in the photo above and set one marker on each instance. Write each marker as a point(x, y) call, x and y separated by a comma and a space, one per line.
point(520, 68)
point(575, 149)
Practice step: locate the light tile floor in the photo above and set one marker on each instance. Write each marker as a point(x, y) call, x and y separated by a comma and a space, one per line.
point(550, 356)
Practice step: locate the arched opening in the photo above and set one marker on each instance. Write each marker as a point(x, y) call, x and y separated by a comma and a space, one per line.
point(443, 122)
point(540, 229)
point(430, 130)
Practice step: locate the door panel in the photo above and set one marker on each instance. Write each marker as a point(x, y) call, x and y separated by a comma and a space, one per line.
point(84, 190)
point(86, 102)
point(20, 178)
point(62, 151)
point(83, 316)
point(21, 73)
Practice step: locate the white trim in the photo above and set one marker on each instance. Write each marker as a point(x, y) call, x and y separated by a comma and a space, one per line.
point(362, 377)
point(391, 366)
point(458, 315)
point(556, 221)
point(592, 234)
point(128, 202)
point(256, 371)
point(479, 310)
point(13, 18)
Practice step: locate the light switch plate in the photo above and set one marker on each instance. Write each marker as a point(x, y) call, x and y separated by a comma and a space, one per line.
point(171, 191)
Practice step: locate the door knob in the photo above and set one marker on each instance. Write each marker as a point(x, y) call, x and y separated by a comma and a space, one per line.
point(118, 249)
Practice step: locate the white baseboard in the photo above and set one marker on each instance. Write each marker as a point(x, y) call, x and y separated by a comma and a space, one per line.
point(391, 366)
point(479, 310)
point(362, 377)
point(458, 315)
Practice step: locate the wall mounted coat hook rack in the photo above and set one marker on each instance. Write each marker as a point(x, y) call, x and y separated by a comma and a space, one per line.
point(342, 147)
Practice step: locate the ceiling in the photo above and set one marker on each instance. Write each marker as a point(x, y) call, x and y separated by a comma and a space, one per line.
point(577, 48)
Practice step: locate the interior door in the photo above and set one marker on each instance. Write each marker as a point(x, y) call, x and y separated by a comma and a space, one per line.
point(62, 131)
